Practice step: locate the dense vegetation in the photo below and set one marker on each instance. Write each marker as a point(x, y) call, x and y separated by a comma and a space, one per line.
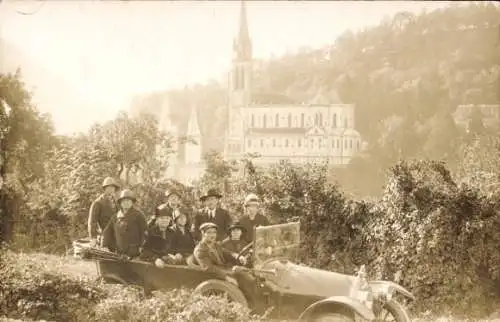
point(434, 224)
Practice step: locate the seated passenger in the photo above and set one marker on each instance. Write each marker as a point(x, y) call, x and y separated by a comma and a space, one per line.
point(181, 241)
point(252, 217)
point(234, 242)
point(125, 232)
point(157, 244)
point(210, 255)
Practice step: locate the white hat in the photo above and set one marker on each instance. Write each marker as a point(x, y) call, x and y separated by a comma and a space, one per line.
point(251, 198)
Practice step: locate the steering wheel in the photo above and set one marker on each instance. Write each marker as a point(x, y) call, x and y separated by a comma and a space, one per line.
point(246, 250)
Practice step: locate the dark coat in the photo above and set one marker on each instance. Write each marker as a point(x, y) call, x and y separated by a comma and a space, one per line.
point(214, 259)
point(234, 246)
point(125, 233)
point(222, 220)
point(157, 244)
point(101, 211)
point(181, 243)
point(245, 221)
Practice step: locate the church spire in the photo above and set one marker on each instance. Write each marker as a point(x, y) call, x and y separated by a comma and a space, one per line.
point(243, 43)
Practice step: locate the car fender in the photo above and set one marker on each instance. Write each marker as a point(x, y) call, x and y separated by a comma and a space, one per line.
point(343, 301)
point(223, 286)
point(398, 288)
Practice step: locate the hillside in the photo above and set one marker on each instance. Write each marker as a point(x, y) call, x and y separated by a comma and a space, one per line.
point(406, 77)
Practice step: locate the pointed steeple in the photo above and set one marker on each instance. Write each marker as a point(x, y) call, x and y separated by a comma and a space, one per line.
point(243, 43)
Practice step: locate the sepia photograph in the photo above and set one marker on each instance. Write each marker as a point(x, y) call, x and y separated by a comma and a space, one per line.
point(249, 161)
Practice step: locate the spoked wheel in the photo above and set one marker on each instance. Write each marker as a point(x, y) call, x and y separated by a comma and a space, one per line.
point(332, 317)
point(392, 311)
point(221, 288)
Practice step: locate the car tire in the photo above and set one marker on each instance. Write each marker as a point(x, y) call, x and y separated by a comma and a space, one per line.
point(218, 287)
point(331, 317)
point(397, 310)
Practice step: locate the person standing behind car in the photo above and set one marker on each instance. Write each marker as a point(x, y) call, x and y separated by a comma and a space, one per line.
point(102, 209)
point(212, 213)
point(125, 232)
point(252, 217)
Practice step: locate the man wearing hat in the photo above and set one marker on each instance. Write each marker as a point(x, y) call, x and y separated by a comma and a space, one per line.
point(103, 208)
point(234, 242)
point(210, 255)
point(173, 202)
point(213, 213)
point(252, 217)
point(125, 232)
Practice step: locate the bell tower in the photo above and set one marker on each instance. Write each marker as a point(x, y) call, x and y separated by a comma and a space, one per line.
point(240, 85)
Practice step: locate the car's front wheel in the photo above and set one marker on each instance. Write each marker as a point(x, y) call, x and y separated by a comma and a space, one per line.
point(392, 311)
point(331, 317)
point(221, 288)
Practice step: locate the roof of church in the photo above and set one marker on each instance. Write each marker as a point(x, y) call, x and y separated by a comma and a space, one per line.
point(277, 130)
point(271, 98)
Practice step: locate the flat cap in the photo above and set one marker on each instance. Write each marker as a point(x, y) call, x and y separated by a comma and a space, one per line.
point(208, 225)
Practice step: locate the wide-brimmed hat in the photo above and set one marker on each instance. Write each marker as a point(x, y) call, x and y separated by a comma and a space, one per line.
point(251, 198)
point(170, 192)
point(208, 225)
point(127, 194)
point(109, 181)
point(236, 225)
point(211, 193)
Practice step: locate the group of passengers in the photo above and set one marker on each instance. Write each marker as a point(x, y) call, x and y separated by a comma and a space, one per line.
point(172, 236)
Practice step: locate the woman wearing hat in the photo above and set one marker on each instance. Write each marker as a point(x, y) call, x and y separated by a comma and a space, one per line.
point(212, 213)
point(125, 232)
point(182, 241)
point(103, 208)
point(158, 237)
point(234, 242)
point(252, 217)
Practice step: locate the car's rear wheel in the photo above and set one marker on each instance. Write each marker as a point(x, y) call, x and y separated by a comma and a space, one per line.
point(221, 288)
point(392, 311)
point(331, 317)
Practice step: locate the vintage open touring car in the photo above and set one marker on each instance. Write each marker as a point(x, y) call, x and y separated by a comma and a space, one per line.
point(274, 280)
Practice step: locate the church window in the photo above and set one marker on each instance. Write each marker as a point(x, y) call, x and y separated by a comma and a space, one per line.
point(320, 117)
point(299, 143)
point(334, 120)
point(350, 144)
point(277, 120)
point(289, 120)
point(242, 78)
point(249, 143)
point(274, 142)
point(312, 143)
point(264, 121)
point(286, 143)
point(261, 143)
point(302, 120)
point(253, 120)
point(358, 145)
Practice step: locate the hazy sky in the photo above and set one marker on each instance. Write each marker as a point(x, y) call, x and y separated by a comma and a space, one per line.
point(108, 51)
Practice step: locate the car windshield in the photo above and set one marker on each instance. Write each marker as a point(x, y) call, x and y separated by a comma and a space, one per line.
point(276, 241)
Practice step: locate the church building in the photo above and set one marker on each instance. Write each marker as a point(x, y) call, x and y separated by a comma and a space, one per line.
point(317, 131)
point(278, 128)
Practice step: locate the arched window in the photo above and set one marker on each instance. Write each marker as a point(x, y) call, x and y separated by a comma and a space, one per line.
point(312, 143)
point(334, 120)
point(264, 121)
point(320, 143)
point(242, 78)
point(316, 119)
point(289, 119)
point(302, 120)
point(299, 143)
point(358, 145)
point(253, 120)
point(277, 120)
point(350, 144)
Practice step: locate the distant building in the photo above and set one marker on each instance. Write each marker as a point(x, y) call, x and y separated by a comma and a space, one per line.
point(490, 114)
point(273, 125)
point(276, 127)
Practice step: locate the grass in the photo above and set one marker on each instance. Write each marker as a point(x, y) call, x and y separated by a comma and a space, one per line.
point(84, 271)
